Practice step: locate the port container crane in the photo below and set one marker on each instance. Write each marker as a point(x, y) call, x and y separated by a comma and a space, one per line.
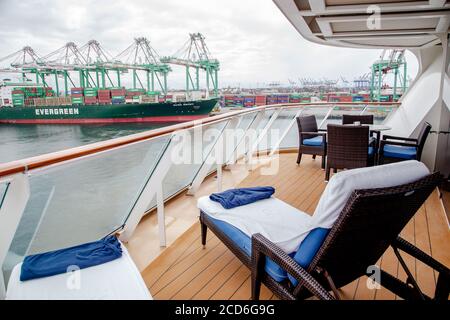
point(141, 56)
point(24, 61)
point(390, 61)
point(195, 54)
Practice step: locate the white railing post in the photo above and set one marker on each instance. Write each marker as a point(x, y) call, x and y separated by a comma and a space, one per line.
point(161, 215)
point(249, 134)
point(152, 188)
point(276, 146)
point(364, 109)
point(326, 117)
point(253, 126)
point(215, 157)
point(11, 211)
point(261, 135)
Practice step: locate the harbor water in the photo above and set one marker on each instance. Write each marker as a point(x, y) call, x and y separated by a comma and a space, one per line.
point(24, 141)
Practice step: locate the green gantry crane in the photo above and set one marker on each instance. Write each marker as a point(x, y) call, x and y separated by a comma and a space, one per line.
point(392, 61)
point(140, 56)
point(195, 55)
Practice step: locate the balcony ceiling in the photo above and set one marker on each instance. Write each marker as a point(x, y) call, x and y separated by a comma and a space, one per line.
point(353, 23)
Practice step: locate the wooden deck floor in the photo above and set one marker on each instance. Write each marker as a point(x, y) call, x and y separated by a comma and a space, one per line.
point(186, 270)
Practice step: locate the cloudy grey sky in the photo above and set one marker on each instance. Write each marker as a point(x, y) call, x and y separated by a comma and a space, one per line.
point(253, 41)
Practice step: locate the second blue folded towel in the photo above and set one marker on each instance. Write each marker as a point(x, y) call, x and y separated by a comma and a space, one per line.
point(239, 197)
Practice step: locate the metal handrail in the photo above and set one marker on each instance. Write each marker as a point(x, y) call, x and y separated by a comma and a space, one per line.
point(45, 160)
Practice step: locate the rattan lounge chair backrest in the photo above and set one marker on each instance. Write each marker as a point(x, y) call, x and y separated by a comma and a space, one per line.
point(367, 225)
point(423, 135)
point(348, 146)
point(363, 119)
point(307, 124)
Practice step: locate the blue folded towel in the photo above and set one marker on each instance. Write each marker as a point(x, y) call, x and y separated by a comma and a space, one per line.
point(239, 197)
point(82, 256)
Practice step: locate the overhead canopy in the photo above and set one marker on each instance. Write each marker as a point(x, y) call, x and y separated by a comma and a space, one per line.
point(369, 23)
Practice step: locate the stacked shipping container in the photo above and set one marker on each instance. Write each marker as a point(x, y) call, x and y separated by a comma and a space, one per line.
point(90, 96)
point(77, 96)
point(104, 96)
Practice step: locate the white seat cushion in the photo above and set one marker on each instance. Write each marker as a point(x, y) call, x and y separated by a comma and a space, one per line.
point(116, 280)
point(279, 222)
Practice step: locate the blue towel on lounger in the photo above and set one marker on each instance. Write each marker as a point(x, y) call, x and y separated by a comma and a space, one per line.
point(82, 256)
point(239, 197)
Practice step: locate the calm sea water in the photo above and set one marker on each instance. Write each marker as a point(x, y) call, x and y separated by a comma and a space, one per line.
point(23, 141)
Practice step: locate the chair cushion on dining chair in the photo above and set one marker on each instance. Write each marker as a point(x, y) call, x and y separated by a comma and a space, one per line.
point(371, 151)
point(313, 142)
point(401, 152)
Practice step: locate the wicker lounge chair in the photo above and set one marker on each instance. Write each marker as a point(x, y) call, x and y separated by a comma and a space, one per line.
point(348, 148)
point(356, 241)
point(311, 140)
point(395, 149)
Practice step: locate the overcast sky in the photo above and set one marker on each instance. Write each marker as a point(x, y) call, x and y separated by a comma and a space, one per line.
point(253, 41)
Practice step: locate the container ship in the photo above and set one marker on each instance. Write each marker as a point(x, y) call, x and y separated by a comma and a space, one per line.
point(41, 105)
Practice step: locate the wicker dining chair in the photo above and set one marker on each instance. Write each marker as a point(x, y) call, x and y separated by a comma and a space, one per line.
point(395, 149)
point(311, 141)
point(356, 242)
point(352, 118)
point(348, 148)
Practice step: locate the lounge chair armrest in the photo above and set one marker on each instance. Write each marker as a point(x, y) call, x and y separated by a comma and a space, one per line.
point(415, 252)
point(322, 130)
point(387, 137)
point(262, 247)
point(396, 143)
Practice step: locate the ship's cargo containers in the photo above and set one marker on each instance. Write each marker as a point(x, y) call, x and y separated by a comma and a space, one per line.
point(260, 100)
point(104, 101)
point(18, 98)
point(90, 92)
point(346, 98)
point(77, 100)
point(148, 99)
point(238, 101)
point(104, 96)
point(180, 98)
point(77, 91)
point(305, 100)
point(118, 99)
point(385, 98)
point(118, 92)
point(357, 98)
point(334, 98)
point(249, 101)
point(88, 100)
point(271, 99)
point(282, 99)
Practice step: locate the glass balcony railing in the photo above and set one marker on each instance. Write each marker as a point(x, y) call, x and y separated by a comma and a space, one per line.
point(3, 190)
point(86, 195)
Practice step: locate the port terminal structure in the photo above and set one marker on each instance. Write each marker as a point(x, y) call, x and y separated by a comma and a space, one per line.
point(96, 67)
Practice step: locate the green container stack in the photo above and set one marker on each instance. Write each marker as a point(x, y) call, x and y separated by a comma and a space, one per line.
point(18, 97)
point(90, 92)
point(153, 93)
point(77, 100)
